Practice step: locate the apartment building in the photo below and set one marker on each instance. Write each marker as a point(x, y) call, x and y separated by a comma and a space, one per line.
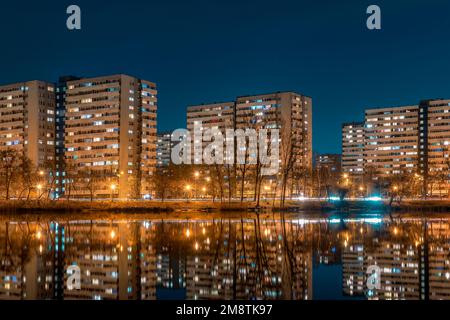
point(412, 139)
point(353, 148)
point(215, 115)
point(288, 111)
point(434, 145)
point(27, 120)
point(110, 135)
point(329, 162)
point(391, 140)
point(164, 146)
point(60, 127)
point(163, 149)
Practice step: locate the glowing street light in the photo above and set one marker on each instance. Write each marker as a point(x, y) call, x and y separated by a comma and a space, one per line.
point(41, 173)
point(113, 189)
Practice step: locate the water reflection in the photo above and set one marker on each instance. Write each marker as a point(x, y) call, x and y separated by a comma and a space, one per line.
point(246, 258)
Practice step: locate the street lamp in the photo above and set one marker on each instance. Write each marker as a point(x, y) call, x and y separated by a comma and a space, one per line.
point(39, 187)
point(204, 191)
point(188, 189)
point(267, 189)
point(113, 189)
point(196, 174)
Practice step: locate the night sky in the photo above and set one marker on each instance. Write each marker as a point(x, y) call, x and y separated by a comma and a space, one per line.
point(206, 51)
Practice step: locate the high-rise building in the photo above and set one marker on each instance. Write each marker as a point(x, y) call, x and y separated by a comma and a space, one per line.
point(353, 148)
point(289, 112)
point(434, 145)
point(27, 120)
point(391, 140)
point(407, 140)
point(110, 135)
point(329, 162)
point(163, 149)
point(215, 115)
point(60, 127)
point(164, 146)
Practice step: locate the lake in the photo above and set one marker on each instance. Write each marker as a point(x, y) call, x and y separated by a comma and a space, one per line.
point(289, 257)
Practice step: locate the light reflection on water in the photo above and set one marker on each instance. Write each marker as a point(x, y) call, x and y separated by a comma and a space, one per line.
point(226, 258)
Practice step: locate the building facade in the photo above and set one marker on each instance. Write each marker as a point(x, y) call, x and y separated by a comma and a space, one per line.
point(215, 115)
point(409, 140)
point(289, 112)
point(353, 148)
point(391, 140)
point(329, 162)
point(110, 135)
point(164, 146)
point(27, 120)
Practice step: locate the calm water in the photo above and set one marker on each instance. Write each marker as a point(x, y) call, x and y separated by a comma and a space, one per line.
point(226, 258)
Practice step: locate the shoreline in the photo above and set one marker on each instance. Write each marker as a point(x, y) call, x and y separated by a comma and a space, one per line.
point(176, 207)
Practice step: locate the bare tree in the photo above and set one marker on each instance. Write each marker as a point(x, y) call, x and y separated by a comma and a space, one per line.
point(9, 165)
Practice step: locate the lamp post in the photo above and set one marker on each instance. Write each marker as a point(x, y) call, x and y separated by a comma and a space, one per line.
point(39, 187)
point(204, 192)
point(188, 189)
point(196, 175)
point(113, 188)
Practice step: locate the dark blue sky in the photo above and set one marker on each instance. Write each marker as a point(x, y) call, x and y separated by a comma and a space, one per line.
point(204, 51)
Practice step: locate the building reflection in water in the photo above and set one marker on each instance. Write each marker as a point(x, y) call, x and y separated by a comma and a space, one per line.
point(247, 258)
